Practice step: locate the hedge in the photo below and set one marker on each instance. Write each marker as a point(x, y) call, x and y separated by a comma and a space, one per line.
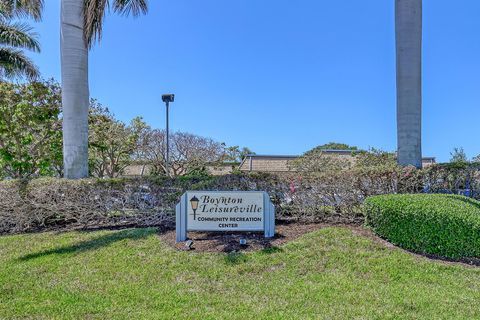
point(51, 203)
point(437, 224)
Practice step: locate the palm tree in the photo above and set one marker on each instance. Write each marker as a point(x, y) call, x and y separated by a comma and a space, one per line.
point(17, 36)
point(10, 9)
point(408, 29)
point(81, 26)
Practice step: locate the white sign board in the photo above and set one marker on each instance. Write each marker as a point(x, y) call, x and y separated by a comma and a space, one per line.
point(207, 211)
point(225, 211)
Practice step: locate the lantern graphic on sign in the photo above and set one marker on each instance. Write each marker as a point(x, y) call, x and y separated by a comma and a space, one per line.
point(194, 203)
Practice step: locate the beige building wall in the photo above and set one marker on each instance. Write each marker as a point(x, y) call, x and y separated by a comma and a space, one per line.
point(426, 162)
point(135, 170)
point(263, 163)
point(255, 163)
point(266, 164)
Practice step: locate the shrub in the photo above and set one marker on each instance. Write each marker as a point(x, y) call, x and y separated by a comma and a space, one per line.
point(47, 203)
point(444, 225)
point(42, 204)
point(50, 203)
point(453, 178)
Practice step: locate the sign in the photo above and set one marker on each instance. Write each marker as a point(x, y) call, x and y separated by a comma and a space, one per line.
point(224, 211)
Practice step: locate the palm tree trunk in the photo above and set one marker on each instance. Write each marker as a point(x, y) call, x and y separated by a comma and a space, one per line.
point(75, 93)
point(408, 29)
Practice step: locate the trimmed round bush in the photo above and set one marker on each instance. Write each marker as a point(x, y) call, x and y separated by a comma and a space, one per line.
point(438, 224)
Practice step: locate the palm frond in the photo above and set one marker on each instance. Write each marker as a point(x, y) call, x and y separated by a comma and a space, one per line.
point(95, 10)
point(94, 15)
point(14, 64)
point(18, 35)
point(21, 9)
point(134, 7)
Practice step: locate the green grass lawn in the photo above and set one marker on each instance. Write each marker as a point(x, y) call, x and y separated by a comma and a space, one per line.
point(130, 274)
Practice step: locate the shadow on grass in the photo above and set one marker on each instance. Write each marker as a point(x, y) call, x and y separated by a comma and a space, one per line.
point(93, 244)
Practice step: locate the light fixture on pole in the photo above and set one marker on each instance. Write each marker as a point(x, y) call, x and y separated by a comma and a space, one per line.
point(167, 98)
point(194, 203)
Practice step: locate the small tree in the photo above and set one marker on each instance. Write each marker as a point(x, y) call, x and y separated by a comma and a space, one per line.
point(316, 162)
point(30, 129)
point(192, 153)
point(111, 142)
point(332, 146)
point(142, 132)
point(188, 152)
point(458, 156)
point(235, 154)
point(375, 158)
point(154, 151)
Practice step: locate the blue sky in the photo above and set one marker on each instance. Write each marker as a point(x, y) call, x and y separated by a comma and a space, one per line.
point(282, 76)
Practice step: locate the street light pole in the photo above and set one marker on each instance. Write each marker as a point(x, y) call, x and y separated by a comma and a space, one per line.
point(167, 98)
point(167, 167)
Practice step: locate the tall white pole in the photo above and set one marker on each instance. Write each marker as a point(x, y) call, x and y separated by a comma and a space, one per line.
point(75, 94)
point(408, 25)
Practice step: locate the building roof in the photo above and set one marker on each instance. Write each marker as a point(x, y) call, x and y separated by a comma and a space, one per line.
point(296, 156)
point(273, 156)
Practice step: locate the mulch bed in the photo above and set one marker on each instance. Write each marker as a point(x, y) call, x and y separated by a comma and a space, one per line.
point(285, 231)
